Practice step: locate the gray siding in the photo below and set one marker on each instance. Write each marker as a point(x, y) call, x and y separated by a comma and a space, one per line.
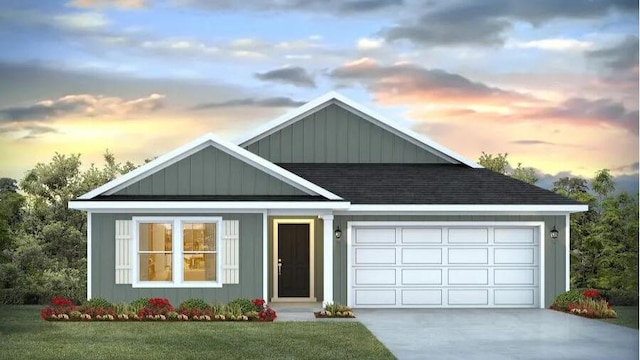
point(554, 249)
point(335, 135)
point(103, 264)
point(210, 172)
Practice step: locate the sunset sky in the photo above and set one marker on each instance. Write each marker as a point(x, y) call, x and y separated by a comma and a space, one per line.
point(552, 83)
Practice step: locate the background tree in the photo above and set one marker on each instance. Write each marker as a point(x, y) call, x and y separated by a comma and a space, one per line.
point(500, 164)
point(44, 242)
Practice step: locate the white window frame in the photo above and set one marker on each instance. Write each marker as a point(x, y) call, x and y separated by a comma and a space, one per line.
point(177, 247)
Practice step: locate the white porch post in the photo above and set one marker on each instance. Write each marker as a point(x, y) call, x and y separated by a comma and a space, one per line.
point(327, 243)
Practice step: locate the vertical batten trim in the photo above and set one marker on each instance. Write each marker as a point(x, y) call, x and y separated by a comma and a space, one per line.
point(567, 250)
point(265, 257)
point(89, 262)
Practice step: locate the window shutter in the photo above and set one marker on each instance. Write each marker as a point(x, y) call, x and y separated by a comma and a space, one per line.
point(230, 252)
point(124, 246)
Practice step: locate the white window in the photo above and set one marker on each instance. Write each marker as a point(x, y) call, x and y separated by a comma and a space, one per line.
point(177, 252)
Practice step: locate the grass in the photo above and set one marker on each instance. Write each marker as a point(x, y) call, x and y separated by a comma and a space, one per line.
point(627, 316)
point(24, 335)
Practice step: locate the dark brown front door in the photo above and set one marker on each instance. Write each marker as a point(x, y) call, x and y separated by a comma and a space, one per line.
point(293, 255)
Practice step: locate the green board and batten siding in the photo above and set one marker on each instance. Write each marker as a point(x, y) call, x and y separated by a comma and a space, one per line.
point(210, 172)
point(103, 263)
point(554, 250)
point(335, 135)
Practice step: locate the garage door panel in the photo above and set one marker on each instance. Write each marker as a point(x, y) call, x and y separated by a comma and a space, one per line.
point(421, 277)
point(421, 297)
point(381, 297)
point(524, 256)
point(469, 265)
point(520, 297)
point(514, 236)
point(468, 256)
point(375, 277)
point(422, 236)
point(375, 236)
point(514, 276)
point(468, 277)
point(421, 256)
point(374, 256)
point(468, 297)
point(468, 236)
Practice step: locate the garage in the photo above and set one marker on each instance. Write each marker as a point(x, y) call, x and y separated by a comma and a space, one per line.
point(442, 265)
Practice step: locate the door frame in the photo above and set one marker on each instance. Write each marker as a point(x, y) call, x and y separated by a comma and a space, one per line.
point(274, 262)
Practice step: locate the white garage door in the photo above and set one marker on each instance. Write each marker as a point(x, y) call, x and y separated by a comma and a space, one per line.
point(444, 266)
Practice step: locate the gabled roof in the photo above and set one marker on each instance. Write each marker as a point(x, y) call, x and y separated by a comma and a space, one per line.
point(433, 184)
point(360, 110)
point(197, 145)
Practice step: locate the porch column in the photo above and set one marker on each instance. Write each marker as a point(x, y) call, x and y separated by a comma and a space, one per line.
point(327, 243)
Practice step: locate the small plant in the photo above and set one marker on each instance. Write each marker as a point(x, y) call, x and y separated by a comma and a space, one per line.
point(75, 315)
point(333, 310)
point(155, 308)
point(97, 302)
point(235, 309)
point(195, 308)
point(587, 303)
point(219, 308)
point(138, 304)
point(59, 306)
point(172, 315)
point(245, 305)
point(563, 300)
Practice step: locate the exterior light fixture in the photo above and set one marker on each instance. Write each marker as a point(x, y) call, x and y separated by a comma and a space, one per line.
point(338, 232)
point(554, 233)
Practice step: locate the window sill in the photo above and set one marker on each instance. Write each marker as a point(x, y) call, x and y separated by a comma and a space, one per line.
point(183, 285)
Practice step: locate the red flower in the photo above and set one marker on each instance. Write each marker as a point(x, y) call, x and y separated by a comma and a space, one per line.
point(590, 293)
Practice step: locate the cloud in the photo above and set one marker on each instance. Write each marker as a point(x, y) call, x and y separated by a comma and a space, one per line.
point(365, 44)
point(29, 131)
point(621, 56)
point(406, 81)
point(597, 111)
point(341, 7)
point(81, 104)
point(629, 168)
point(274, 102)
point(122, 4)
point(554, 44)
point(485, 22)
point(292, 75)
point(532, 142)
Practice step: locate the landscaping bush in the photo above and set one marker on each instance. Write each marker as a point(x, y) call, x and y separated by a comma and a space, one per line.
point(60, 309)
point(620, 297)
point(564, 299)
point(98, 308)
point(587, 303)
point(157, 309)
point(195, 309)
point(334, 310)
point(245, 305)
point(139, 304)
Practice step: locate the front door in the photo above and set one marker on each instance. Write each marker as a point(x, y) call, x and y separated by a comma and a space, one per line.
point(293, 260)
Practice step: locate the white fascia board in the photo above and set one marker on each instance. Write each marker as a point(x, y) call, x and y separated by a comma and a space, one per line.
point(195, 146)
point(470, 208)
point(339, 99)
point(209, 206)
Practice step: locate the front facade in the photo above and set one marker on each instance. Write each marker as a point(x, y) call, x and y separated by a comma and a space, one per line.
point(332, 203)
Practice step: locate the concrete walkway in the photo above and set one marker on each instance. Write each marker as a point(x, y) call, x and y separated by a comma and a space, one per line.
point(498, 334)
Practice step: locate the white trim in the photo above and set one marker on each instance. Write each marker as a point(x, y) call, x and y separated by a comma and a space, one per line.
point(198, 144)
point(89, 262)
point(311, 223)
point(327, 267)
point(177, 267)
point(537, 224)
point(567, 251)
point(265, 256)
point(176, 206)
point(333, 97)
point(470, 208)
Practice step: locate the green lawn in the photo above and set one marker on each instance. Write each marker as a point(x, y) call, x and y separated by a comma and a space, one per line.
point(627, 316)
point(24, 335)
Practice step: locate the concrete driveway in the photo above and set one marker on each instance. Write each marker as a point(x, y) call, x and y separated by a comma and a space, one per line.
point(497, 334)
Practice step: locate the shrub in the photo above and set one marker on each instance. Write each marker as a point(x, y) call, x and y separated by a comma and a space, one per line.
point(245, 305)
point(97, 302)
point(219, 309)
point(138, 304)
point(156, 308)
point(592, 308)
point(172, 315)
point(562, 300)
point(194, 304)
point(620, 297)
point(267, 314)
point(235, 309)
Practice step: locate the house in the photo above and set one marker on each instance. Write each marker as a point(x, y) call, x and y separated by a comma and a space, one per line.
point(330, 202)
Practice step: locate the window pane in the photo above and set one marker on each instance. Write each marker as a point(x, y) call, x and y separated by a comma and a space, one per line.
point(200, 267)
point(155, 267)
point(199, 237)
point(155, 237)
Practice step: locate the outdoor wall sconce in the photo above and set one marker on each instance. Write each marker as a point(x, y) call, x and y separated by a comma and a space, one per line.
point(338, 232)
point(554, 233)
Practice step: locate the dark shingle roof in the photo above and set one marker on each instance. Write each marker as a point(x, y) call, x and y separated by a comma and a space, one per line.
point(423, 184)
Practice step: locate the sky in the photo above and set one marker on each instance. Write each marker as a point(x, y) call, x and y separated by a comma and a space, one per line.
point(552, 83)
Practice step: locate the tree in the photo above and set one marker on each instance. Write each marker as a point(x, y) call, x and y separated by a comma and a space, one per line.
point(603, 183)
point(500, 164)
